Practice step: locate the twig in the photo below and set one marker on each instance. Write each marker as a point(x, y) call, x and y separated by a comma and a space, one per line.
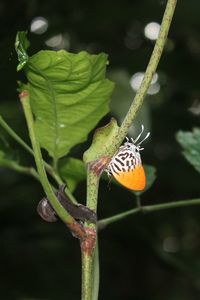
point(146, 209)
point(21, 169)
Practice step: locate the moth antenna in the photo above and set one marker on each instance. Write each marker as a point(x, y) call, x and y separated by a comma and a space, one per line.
point(146, 137)
point(137, 138)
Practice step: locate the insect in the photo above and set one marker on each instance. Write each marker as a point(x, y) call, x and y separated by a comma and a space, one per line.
point(126, 165)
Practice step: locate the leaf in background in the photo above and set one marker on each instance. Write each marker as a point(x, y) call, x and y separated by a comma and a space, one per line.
point(150, 175)
point(190, 142)
point(21, 45)
point(69, 95)
point(72, 170)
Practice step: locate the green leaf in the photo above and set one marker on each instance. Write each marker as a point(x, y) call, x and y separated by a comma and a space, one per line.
point(21, 45)
point(72, 171)
point(69, 95)
point(190, 142)
point(102, 140)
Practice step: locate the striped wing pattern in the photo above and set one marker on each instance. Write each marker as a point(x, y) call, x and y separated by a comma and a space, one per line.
point(126, 167)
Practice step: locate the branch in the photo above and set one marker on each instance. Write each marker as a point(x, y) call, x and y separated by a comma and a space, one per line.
point(146, 209)
point(74, 226)
point(93, 177)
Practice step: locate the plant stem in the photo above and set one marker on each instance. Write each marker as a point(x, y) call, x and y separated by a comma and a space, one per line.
point(14, 135)
point(95, 291)
point(12, 165)
point(151, 68)
point(138, 201)
point(87, 280)
point(90, 275)
point(88, 265)
point(24, 170)
point(145, 209)
point(48, 167)
point(60, 211)
point(92, 190)
point(93, 179)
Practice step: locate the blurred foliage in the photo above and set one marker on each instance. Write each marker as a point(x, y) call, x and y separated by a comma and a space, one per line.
point(154, 256)
point(72, 171)
point(190, 141)
point(150, 172)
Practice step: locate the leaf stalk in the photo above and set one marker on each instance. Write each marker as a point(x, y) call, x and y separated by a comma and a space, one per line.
point(74, 226)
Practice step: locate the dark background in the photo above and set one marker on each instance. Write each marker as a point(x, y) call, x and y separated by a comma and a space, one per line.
point(154, 256)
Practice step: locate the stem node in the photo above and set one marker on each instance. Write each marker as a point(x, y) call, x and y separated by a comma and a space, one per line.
point(89, 241)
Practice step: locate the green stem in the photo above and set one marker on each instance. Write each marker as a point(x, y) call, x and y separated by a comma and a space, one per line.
point(60, 211)
point(92, 190)
point(151, 69)
point(90, 275)
point(93, 179)
point(87, 280)
point(48, 167)
point(88, 263)
point(24, 170)
point(14, 135)
point(145, 209)
point(138, 201)
point(95, 291)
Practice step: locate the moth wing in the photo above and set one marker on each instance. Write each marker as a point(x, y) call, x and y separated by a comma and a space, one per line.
point(134, 179)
